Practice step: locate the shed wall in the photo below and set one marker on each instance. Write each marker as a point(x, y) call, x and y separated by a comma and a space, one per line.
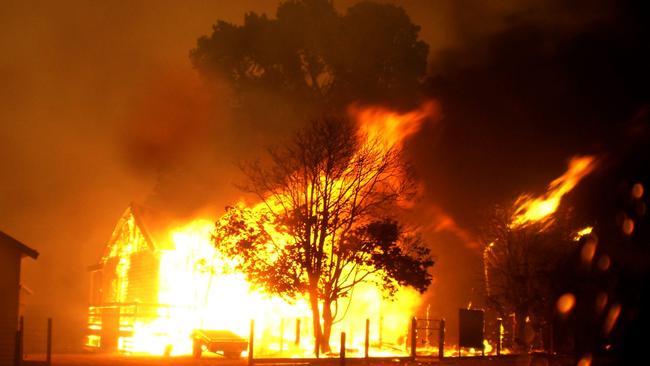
point(9, 292)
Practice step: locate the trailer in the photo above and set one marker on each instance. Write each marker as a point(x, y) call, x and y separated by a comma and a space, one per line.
point(223, 342)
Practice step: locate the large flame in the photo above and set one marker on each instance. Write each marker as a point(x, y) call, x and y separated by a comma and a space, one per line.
point(535, 209)
point(389, 128)
point(198, 290)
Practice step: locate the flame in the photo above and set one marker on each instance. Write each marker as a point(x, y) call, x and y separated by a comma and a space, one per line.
point(388, 128)
point(197, 288)
point(538, 209)
point(582, 233)
point(196, 291)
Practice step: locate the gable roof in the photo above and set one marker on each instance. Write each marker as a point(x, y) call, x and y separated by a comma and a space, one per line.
point(24, 249)
point(153, 225)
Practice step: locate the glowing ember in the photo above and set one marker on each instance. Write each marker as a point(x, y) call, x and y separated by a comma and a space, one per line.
point(531, 209)
point(628, 226)
point(637, 191)
point(612, 317)
point(588, 251)
point(582, 233)
point(585, 360)
point(566, 303)
point(604, 262)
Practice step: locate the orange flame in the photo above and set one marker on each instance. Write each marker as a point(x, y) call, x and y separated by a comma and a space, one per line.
point(197, 291)
point(388, 128)
point(538, 209)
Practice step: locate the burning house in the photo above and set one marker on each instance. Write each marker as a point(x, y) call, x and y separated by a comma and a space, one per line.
point(154, 285)
point(124, 284)
point(158, 281)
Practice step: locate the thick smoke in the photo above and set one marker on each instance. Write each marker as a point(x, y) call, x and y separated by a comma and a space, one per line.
point(102, 108)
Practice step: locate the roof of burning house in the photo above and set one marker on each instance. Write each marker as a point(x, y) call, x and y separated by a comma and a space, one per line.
point(152, 224)
point(24, 249)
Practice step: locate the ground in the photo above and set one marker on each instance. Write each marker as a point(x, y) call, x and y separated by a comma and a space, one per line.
point(120, 360)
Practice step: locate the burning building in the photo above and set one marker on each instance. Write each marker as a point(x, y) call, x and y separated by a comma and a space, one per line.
point(157, 281)
point(124, 284)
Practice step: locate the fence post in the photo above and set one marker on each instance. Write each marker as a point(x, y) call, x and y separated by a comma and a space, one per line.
point(48, 355)
point(251, 343)
point(297, 331)
point(499, 335)
point(551, 339)
point(441, 339)
point(342, 352)
point(381, 330)
point(281, 334)
point(367, 344)
point(414, 339)
point(18, 357)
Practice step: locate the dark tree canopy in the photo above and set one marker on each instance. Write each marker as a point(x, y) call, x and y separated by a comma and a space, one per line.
point(311, 57)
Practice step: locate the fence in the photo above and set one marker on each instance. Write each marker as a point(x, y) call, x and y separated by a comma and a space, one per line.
point(34, 336)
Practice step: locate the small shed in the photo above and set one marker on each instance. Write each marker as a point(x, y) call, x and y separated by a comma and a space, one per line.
point(11, 254)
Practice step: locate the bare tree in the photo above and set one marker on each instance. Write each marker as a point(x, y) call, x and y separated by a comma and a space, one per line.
point(524, 266)
point(327, 221)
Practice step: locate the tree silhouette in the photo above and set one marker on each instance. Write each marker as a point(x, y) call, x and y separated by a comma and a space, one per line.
point(311, 58)
point(326, 222)
point(528, 267)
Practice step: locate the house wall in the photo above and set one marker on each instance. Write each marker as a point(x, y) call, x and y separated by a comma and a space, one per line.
point(143, 278)
point(9, 292)
point(126, 275)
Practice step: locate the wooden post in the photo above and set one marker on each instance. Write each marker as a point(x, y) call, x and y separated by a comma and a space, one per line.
point(297, 331)
point(441, 339)
point(18, 357)
point(381, 330)
point(48, 355)
point(342, 352)
point(499, 335)
point(414, 337)
point(367, 345)
point(281, 334)
point(551, 339)
point(251, 343)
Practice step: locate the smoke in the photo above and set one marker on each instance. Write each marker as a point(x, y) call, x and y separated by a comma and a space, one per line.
point(101, 108)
